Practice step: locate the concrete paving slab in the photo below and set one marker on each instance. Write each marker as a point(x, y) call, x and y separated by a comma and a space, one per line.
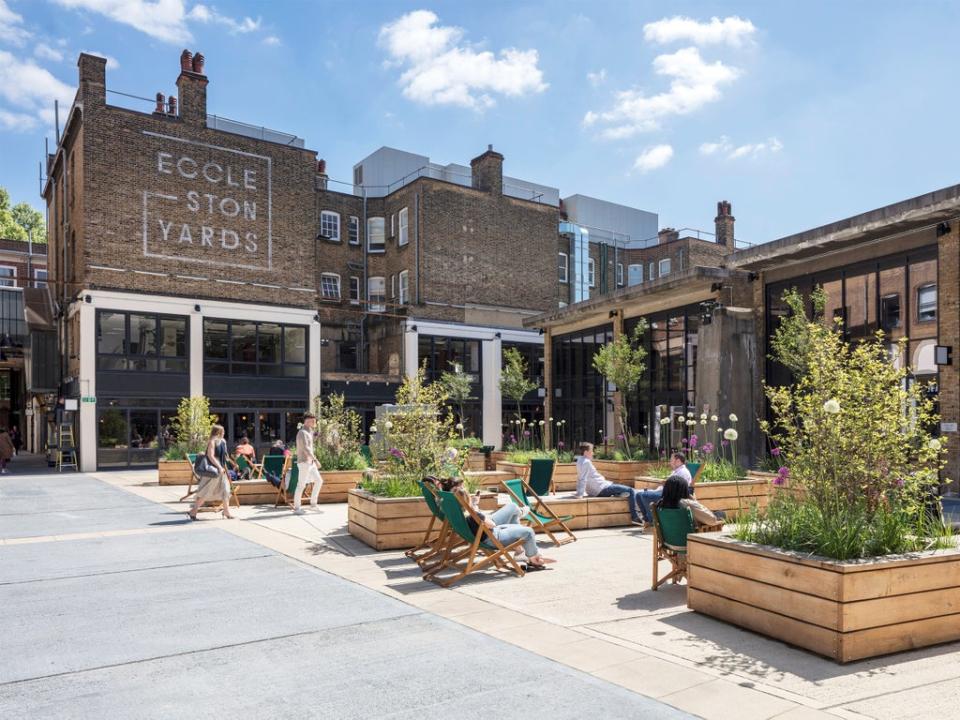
point(114, 554)
point(919, 703)
point(726, 701)
point(410, 667)
point(653, 677)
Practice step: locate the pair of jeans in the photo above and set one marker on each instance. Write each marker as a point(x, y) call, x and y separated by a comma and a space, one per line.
point(615, 490)
point(508, 529)
point(645, 498)
point(307, 473)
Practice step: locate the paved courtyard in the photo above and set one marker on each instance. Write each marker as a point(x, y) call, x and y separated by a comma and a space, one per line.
point(114, 606)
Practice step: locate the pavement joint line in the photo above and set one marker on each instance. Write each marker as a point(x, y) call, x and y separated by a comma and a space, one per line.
point(138, 569)
point(72, 510)
point(30, 540)
point(215, 648)
point(840, 705)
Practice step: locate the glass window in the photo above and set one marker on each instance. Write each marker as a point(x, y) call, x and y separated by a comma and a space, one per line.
point(393, 286)
point(376, 230)
point(39, 278)
point(619, 273)
point(892, 297)
point(8, 276)
point(216, 339)
point(376, 292)
point(591, 273)
point(330, 286)
point(403, 238)
point(664, 268)
point(353, 230)
point(268, 341)
point(651, 268)
point(404, 287)
point(890, 312)
point(143, 335)
point(927, 303)
point(131, 341)
point(330, 225)
point(634, 274)
point(173, 337)
point(354, 290)
point(243, 341)
point(564, 267)
point(111, 333)
point(269, 430)
point(294, 344)
point(860, 292)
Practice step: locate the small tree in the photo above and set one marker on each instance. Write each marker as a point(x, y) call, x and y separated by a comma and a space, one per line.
point(458, 385)
point(514, 378)
point(623, 362)
point(339, 435)
point(193, 423)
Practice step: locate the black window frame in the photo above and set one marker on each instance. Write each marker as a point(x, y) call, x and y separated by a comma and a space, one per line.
point(279, 367)
point(157, 355)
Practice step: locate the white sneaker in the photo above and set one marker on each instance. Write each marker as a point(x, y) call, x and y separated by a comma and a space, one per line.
point(299, 511)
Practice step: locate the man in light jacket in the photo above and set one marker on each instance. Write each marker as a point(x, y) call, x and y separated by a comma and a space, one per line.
point(308, 468)
point(591, 483)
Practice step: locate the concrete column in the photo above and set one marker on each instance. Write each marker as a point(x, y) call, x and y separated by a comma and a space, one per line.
point(313, 359)
point(492, 362)
point(948, 282)
point(548, 382)
point(196, 355)
point(87, 414)
point(411, 339)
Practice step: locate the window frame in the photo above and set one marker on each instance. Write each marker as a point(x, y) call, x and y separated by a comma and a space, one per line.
point(323, 293)
point(404, 287)
point(936, 300)
point(353, 230)
point(12, 277)
point(403, 227)
point(282, 364)
point(355, 285)
point(393, 286)
point(157, 355)
point(650, 268)
point(660, 272)
point(591, 273)
point(372, 306)
point(326, 215)
point(639, 265)
point(381, 246)
point(620, 275)
point(40, 282)
point(566, 268)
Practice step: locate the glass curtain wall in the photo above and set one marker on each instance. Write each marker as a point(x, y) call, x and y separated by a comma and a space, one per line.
point(580, 393)
point(440, 354)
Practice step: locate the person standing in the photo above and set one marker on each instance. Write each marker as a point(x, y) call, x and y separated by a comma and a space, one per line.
point(214, 484)
point(591, 483)
point(6, 450)
point(308, 469)
point(15, 439)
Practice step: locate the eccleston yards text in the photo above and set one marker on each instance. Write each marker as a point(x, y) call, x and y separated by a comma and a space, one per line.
point(209, 205)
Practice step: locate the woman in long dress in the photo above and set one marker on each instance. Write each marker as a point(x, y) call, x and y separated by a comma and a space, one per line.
point(214, 485)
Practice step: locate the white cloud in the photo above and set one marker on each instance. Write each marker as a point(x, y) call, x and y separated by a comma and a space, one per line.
point(11, 26)
point(112, 62)
point(733, 31)
point(653, 158)
point(30, 89)
point(439, 71)
point(733, 152)
point(694, 83)
point(45, 52)
point(165, 20)
point(17, 122)
point(271, 40)
point(205, 14)
point(597, 78)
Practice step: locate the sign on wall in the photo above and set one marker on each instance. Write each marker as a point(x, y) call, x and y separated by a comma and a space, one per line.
point(207, 204)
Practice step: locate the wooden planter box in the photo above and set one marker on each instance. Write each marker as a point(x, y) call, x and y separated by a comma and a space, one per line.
point(476, 461)
point(497, 456)
point(174, 472)
point(728, 497)
point(593, 512)
point(842, 610)
point(564, 474)
point(624, 471)
point(336, 484)
point(393, 523)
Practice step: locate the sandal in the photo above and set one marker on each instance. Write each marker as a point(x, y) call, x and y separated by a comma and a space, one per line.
point(533, 567)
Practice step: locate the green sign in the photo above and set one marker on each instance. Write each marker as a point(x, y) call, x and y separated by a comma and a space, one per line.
point(88, 399)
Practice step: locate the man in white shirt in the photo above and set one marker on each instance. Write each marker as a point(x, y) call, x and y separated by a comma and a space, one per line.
point(591, 483)
point(308, 469)
point(678, 468)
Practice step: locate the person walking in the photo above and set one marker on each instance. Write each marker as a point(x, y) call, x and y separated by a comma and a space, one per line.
point(308, 469)
point(211, 469)
point(16, 439)
point(6, 450)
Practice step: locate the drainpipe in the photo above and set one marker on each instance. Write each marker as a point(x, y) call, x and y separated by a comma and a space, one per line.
point(361, 350)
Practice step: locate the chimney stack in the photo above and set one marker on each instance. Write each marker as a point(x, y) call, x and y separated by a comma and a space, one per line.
point(192, 87)
point(666, 235)
point(172, 106)
point(322, 176)
point(93, 80)
point(161, 104)
point(724, 225)
point(487, 171)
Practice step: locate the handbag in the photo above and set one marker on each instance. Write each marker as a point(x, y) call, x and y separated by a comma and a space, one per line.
point(203, 468)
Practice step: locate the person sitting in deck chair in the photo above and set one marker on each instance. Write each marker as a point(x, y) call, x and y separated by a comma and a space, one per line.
point(591, 483)
point(504, 524)
point(676, 494)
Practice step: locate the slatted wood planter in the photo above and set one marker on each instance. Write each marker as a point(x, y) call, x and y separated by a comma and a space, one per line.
point(624, 471)
point(843, 610)
point(564, 474)
point(729, 497)
point(593, 512)
point(476, 461)
point(336, 484)
point(393, 523)
point(174, 472)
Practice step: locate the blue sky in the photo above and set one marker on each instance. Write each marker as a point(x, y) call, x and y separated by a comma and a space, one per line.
point(797, 113)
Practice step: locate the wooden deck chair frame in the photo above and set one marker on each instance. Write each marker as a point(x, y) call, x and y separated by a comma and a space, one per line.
point(663, 551)
point(194, 480)
point(495, 554)
point(256, 469)
point(431, 549)
point(541, 462)
point(546, 519)
point(286, 469)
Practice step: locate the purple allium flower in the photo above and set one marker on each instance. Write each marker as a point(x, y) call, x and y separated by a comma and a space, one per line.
point(778, 480)
point(708, 448)
point(526, 433)
point(560, 445)
point(783, 472)
point(693, 438)
point(900, 482)
point(693, 442)
point(725, 443)
point(621, 437)
point(397, 453)
point(513, 438)
point(683, 441)
point(775, 452)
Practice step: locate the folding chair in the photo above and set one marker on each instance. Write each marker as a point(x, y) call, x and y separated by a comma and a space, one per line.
point(273, 465)
point(694, 469)
point(194, 480)
point(540, 476)
point(253, 470)
point(495, 553)
point(289, 477)
point(670, 530)
point(428, 552)
point(518, 489)
point(367, 455)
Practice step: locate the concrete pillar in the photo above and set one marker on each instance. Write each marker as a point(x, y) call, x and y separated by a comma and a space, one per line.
point(548, 382)
point(87, 413)
point(492, 361)
point(411, 344)
point(948, 286)
point(313, 360)
point(196, 355)
point(727, 354)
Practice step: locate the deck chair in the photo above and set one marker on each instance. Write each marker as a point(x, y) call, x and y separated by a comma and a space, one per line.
point(253, 470)
point(540, 515)
point(194, 480)
point(495, 554)
point(670, 530)
point(274, 465)
point(540, 476)
point(694, 470)
point(367, 455)
point(429, 552)
point(289, 478)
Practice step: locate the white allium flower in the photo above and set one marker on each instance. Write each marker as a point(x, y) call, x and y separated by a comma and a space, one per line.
point(541, 423)
point(730, 434)
point(459, 426)
point(714, 418)
point(703, 416)
point(664, 421)
point(831, 406)
point(373, 429)
point(691, 423)
point(733, 418)
point(388, 424)
point(934, 444)
point(551, 419)
point(681, 419)
point(703, 422)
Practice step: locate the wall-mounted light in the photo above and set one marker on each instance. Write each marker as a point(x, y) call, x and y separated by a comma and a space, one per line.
point(87, 299)
point(751, 276)
point(613, 314)
point(943, 355)
point(942, 229)
point(196, 308)
point(412, 328)
point(316, 318)
point(540, 331)
point(497, 335)
point(324, 342)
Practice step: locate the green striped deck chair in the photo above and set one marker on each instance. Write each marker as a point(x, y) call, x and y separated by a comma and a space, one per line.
point(540, 476)
point(670, 528)
point(541, 514)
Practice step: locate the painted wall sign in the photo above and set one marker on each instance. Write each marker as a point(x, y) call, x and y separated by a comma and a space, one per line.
point(207, 204)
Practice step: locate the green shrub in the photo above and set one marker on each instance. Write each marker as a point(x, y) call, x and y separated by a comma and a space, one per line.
point(466, 444)
point(338, 436)
point(721, 470)
point(393, 486)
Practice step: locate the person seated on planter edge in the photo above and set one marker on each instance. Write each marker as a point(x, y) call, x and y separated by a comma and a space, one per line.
point(504, 524)
point(678, 468)
point(676, 494)
point(246, 449)
point(591, 483)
